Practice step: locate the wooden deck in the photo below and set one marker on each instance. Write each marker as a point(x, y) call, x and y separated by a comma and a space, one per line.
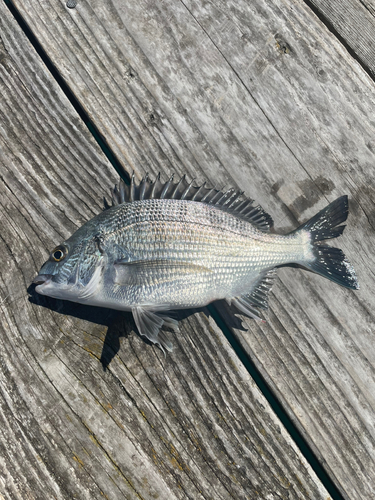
point(276, 98)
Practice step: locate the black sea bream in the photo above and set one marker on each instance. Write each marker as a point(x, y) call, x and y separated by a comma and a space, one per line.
point(177, 246)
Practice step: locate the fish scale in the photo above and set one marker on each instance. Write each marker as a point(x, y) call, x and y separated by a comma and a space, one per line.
point(172, 246)
point(205, 232)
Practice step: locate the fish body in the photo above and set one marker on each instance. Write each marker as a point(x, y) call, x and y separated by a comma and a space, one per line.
point(175, 246)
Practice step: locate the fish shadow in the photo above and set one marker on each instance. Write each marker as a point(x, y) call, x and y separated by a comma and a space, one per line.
point(120, 324)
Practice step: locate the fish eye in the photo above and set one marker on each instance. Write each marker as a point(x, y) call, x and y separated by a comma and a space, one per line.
point(59, 253)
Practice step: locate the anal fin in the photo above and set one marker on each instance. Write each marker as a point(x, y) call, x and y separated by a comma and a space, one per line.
point(257, 297)
point(245, 307)
point(149, 324)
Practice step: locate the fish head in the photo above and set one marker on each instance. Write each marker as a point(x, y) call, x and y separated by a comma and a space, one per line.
point(72, 266)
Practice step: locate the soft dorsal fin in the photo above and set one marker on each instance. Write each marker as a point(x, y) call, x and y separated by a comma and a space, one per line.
point(231, 200)
point(257, 296)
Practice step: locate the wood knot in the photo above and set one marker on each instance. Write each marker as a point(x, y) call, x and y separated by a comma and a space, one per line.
point(282, 45)
point(153, 118)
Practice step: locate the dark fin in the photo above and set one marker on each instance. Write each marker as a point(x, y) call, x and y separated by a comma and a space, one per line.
point(140, 272)
point(245, 306)
point(257, 296)
point(325, 224)
point(331, 263)
point(231, 200)
point(106, 205)
point(149, 324)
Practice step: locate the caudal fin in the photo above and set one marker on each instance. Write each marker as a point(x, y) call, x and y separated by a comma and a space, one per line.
point(325, 224)
point(330, 262)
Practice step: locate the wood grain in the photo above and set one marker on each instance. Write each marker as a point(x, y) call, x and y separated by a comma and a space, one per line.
point(354, 22)
point(192, 425)
point(260, 96)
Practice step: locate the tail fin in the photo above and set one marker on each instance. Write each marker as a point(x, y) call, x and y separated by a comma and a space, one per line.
point(330, 262)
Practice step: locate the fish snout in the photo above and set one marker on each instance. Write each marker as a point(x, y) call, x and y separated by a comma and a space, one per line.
point(42, 279)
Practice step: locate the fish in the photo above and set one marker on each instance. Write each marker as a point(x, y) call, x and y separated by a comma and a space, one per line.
point(158, 247)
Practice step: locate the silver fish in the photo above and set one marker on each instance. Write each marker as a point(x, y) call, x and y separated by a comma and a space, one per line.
point(170, 246)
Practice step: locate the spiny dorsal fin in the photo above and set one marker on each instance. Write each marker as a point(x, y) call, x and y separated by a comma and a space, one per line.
point(231, 200)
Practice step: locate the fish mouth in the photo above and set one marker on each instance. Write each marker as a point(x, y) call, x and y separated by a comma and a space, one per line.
point(42, 279)
point(45, 285)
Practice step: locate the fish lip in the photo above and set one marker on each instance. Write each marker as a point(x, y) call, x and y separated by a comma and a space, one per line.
point(42, 279)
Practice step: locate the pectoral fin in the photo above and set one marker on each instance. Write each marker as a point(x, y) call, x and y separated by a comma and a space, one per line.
point(149, 324)
point(142, 272)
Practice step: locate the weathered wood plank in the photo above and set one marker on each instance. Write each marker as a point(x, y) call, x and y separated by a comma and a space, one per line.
point(354, 22)
point(261, 96)
point(192, 425)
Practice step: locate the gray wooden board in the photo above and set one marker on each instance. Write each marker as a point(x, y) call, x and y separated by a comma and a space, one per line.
point(262, 96)
point(354, 22)
point(192, 425)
